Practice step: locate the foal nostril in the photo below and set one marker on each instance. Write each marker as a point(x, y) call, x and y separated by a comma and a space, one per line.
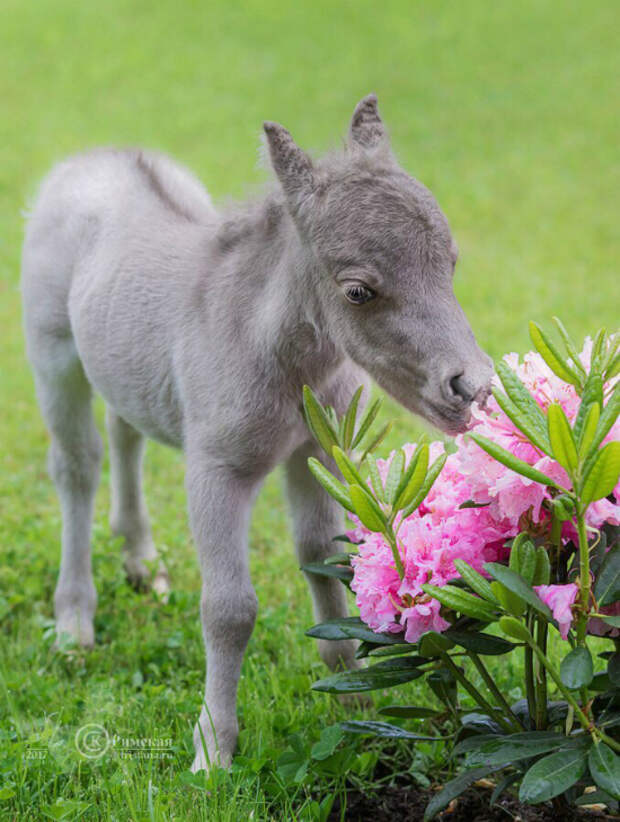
point(460, 388)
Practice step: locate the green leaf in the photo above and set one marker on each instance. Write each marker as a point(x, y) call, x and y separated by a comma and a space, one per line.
point(613, 669)
point(293, 763)
point(480, 642)
point(351, 628)
point(320, 569)
point(503, 750)
point(528, 410)
point(542, 571)
point(327, 744)
point(431, 476)
point(366, 421)
point(367, 509)
point(341, 558)
point(561, 438)
point(432, 644)
point(475, 580)
point(378, 439)
point(408, 711)
point(461, 601)
point(603, 474)
point(605, 769)
point(514, 628)
point(515, 583)
point(589, 430)
point(552, 775)
point(346, 467)
point(510, 602)
point(522, 422)
point(570, 347)
point(592, 393)
point(348, 426)
point(413, 478)
point(577, 669)
point(332, 485)
point(611, 620)
point(607, 585)
point(375, 478)
point(318, 421)
point(385, 729)
point(608, 417)
point(552, 356)
point(512, 462)
point(395, 473)
point(455, 787)
point(382, 675)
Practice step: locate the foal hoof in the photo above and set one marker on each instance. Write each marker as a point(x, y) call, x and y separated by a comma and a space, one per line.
point(74, 629)
point(142, 580)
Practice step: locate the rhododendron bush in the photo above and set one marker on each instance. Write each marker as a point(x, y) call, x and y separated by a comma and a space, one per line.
point(514, 524)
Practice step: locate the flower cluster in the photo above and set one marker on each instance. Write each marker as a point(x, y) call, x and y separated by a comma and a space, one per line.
point(440, 530)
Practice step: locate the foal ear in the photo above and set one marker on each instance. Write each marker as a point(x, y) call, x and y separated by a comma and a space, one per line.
point(291, 164)
point(367, 129)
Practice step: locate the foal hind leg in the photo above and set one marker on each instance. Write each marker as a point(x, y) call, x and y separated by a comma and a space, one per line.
point(74, 464)
point(128, 512)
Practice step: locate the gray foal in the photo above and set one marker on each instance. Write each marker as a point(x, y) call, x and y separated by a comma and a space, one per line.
point(199, 329)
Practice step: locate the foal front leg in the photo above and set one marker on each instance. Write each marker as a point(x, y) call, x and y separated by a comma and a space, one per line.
point(317, 519)
point(220, 503)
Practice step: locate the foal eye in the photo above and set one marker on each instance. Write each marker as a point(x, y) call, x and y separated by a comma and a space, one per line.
point(359, 294)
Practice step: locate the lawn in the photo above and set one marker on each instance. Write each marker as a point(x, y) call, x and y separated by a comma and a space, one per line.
point(506, 111)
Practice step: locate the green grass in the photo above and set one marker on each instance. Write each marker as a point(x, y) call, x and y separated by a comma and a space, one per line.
point(507, 111)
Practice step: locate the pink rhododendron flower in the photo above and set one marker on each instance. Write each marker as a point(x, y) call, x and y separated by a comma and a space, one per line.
point(560, 598)
point(440, 531)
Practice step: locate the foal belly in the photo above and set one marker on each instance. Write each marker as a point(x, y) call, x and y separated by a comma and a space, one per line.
point(126, 353)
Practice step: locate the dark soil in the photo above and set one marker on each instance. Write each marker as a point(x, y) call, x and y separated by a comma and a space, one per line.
point(407, 804)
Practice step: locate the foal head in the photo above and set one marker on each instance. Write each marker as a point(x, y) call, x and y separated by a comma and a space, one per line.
point(385, 259)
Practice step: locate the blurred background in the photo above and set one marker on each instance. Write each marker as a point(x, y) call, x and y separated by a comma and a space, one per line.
point(507, 111)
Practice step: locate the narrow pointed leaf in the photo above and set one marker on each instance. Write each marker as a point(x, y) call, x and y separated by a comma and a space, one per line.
point(429, 481)
point(516, 584)
point(377, 440)
point(602, 477)
point(479, 642)
point(394, 476)
point(461, 601)
point(385, 729)
point(592, 392)
point(367, 509)
point(510, 461)
point(350, 419)
point(570, 347)
point(552, 356)
point(589, 429)
point(475, 580)
point(342, 572)
point(608, 417)
point(561, 438)
point(318, 421)
point(366, 422)
point(514, 628)
point(522, 422)
point(332, 485)
point(377, 676)
point(415, 476)
point(350, 628)
point(346, 467)
point(375, 478)
point(525, 404)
